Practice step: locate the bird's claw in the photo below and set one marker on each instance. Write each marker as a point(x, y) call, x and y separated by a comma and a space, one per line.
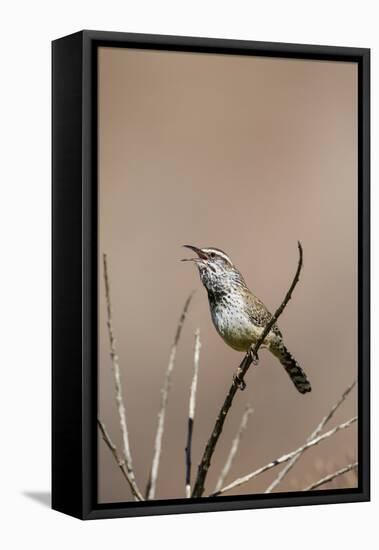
point(251, 357)
point(239, 382)
point(254, 357)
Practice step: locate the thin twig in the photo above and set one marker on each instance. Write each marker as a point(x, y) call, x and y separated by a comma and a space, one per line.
point(151, 485)
point(285, 458)
point(204, 465)
point(191, 412)
point(120, 463)
point(332, 476)
point(314, 434)
point(116, 374)
point(234, 448)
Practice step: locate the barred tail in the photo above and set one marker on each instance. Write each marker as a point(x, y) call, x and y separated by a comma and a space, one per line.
point(294, 371)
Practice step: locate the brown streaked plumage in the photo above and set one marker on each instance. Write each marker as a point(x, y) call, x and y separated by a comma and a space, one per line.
point(237, 314)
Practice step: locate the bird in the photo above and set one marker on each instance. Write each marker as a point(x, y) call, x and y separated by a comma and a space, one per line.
point(238, 315)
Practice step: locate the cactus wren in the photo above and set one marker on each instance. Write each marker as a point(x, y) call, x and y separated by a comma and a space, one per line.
point(238, 315)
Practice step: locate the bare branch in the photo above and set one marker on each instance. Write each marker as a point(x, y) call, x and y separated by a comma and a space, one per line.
point(285, 457)
point(151, 486)
point(332, 476)
point(234, 448)
point(204, 465)
point(314, 434)
point(120, 463)
point(116, 374)
point(191, 413)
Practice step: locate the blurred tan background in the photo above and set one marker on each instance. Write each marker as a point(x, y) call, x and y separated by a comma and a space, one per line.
point(248, 155)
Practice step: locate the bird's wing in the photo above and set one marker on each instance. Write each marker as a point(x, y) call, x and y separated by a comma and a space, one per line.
point(260, 315)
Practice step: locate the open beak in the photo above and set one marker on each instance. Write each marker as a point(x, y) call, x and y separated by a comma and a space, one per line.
point(201, 255)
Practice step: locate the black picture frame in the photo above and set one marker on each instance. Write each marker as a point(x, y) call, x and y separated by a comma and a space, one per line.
point(74, 272)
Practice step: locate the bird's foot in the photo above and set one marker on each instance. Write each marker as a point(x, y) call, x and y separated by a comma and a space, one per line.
point(251, 357)
point(254, 357)
point(238, 380)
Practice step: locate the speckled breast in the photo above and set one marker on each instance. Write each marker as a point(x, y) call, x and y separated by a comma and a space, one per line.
point(233, 323)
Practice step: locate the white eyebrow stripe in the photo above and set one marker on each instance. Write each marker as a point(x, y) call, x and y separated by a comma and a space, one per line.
point(218, 253)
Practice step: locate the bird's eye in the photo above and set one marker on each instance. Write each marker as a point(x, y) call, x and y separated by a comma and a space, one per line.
point(213, 255)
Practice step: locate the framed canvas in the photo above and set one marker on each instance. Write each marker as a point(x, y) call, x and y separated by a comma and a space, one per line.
point(238, 378)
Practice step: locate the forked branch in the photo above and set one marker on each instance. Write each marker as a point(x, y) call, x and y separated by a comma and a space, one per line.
point(120, 463)
point(204, 465)
point(285, 457)
point(314, 434)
